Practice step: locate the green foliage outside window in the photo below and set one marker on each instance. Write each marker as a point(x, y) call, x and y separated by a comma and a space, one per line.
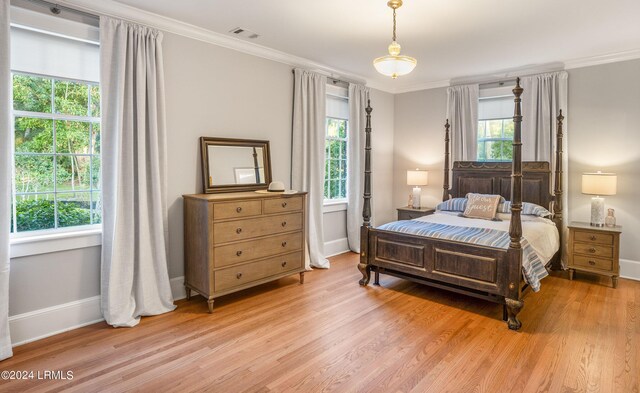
point(57, 153)
point(495, 139)
point(335, 177)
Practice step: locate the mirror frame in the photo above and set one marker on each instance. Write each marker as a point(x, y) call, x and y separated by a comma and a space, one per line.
point(205, 142)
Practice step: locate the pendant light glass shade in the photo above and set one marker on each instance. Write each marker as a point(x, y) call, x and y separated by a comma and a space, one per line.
point(393, 64)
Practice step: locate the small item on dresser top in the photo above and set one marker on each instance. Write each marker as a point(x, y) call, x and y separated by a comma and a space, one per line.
point(410, 203)
point(610, 220)
point(276, 187)
point(417, 178)
point(598, 184)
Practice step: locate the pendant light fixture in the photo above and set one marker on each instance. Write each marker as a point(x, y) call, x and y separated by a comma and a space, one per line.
point(393, 64)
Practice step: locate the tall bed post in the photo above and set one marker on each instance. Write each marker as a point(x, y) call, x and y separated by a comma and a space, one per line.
point(445, 192)
point(363, 266)
point(512, 301)
point(558, 217)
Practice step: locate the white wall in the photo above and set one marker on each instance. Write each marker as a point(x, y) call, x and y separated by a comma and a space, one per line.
point(603, 121)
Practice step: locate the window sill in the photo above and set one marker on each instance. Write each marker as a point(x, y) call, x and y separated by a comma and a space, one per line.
point(334, 206)
point(37, 244)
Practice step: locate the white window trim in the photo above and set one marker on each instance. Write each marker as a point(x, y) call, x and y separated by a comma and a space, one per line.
point(334, 205)
point(47, 241)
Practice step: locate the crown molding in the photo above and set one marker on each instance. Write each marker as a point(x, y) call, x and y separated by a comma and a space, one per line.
point(602, 59)
point(119, 10)
point(114, 9)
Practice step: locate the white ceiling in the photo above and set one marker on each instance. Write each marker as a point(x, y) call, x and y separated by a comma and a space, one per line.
point(449, 38)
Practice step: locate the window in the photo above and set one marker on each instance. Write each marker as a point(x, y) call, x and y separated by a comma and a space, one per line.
point(56, 124)
point(495, 128)
point(56, 153)
point(336, 142)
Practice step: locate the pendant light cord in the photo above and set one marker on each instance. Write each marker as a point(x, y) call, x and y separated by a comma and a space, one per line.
point(394, 24)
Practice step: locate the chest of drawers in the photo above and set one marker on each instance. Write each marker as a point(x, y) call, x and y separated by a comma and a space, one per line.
point(594, 250)
point(239, 240)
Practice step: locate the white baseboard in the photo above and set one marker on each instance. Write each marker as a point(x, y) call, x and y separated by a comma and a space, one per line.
point(336, 247)
point(630, 269)
point(38, 324)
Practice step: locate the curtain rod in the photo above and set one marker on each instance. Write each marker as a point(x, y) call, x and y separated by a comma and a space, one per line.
point(56, 9)
point(331, 78)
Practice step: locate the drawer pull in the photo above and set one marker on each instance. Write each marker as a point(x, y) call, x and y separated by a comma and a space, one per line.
point(284, 223)
point(592, 250)
point(239, 276)
point(239, 231)
point(238, 209)
point(592, 263)
point(238, 253)
point(284, 204)
point(284, 244)
point(593, 237)
point(284, 263)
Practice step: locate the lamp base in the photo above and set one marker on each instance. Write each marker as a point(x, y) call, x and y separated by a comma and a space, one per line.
point(416, 197)
point(597, 212)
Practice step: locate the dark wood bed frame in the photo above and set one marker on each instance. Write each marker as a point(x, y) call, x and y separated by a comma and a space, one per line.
point(485, 272)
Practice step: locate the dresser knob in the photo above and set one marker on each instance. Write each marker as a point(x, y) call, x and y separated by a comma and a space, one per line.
point(238, 253)
point(592, 250)
point(593, 237)
point(239, 231)
point(238, 209)
point(284, 223)
point(284, 263)
point(239, 275)
point(284, 244)
point(592, 263)
point(284, 204)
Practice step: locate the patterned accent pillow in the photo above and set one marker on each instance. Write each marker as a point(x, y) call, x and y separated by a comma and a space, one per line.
point(453, 205)
point(528, 209)
point(481, 206)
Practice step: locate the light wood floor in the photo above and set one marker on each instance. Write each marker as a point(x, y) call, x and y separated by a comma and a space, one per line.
point(332, 335)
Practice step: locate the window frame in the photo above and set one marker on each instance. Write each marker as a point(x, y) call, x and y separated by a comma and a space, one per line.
point(336, 201)
point(497, 94)
point(85, 234)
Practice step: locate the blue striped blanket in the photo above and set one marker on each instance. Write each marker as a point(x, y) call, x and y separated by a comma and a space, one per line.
point(532, 266)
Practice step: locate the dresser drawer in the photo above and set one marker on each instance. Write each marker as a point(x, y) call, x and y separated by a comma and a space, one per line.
point(592, 237)
point(254, 227)
point(593, 249)
point(255, 249)
point(593, 263)
point(282, 205)
point(231, 277)
point(237, 209)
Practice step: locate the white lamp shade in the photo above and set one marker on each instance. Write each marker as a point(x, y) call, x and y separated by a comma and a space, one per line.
point(599, 183)
point(394, 66)
point(417, 178)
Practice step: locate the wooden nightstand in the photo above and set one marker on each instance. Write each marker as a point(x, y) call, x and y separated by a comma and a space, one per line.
point(409, 213)
point(594, 250)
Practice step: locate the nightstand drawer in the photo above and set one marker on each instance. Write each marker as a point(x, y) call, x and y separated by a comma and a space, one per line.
point(592, 237)
point(593, 263)
point(593, 249)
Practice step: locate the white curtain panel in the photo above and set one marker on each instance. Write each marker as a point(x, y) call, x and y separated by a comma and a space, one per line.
point(543, 97)
point(307, 155)
point(135, 280)
point(5, 178)
point(358, 96)
point(462, 112)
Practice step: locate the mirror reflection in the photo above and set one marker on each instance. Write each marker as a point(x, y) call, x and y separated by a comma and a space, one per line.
point(230, 165)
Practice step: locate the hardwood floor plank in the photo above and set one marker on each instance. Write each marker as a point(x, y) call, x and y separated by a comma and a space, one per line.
point(332, 335)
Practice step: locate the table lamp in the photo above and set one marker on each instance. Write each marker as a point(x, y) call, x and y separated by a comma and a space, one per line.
point(417, 178)
point(598, 184)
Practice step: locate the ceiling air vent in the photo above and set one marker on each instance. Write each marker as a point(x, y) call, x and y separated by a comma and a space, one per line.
point(244, 33)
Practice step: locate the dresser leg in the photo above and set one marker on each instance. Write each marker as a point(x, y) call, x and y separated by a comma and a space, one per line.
point(301, 277)
point(614, 281)
point(571, 274)
point(188, 291)
point(376, 278)
point(210, 304)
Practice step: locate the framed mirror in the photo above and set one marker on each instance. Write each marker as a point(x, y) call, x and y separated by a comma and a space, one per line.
point(230, 165)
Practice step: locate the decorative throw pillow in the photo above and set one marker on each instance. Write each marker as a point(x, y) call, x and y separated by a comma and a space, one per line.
point(528, 209)
point(452, 205)
point(481, 206)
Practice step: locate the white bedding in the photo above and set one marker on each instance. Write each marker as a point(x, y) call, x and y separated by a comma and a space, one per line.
point(541, 233)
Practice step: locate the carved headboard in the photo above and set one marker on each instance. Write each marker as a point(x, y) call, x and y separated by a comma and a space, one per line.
point(495, 178)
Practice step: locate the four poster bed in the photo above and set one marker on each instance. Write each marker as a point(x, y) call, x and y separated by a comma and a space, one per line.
point(491, 271)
